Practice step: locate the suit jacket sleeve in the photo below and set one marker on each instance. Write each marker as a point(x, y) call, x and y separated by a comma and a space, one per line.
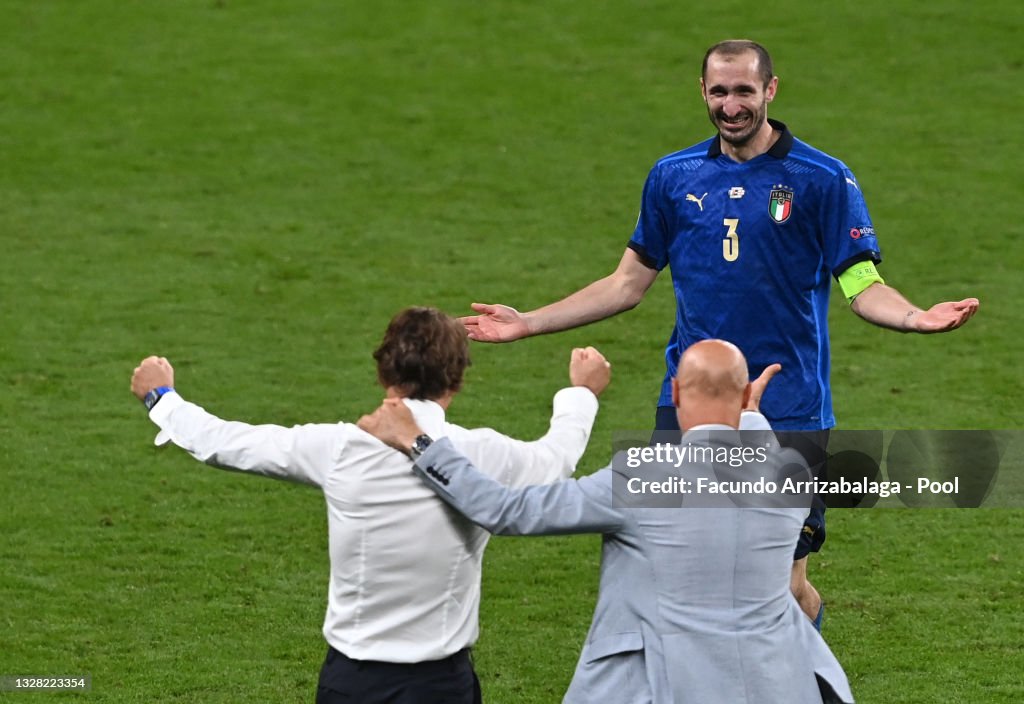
point(571, 506)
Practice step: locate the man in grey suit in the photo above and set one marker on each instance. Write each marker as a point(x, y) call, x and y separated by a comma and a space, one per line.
point(694, 603)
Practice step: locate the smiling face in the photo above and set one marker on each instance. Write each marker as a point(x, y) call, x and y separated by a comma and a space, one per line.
point(734, 89)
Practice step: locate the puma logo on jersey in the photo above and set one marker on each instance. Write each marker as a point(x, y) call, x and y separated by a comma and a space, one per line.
point(698, 201)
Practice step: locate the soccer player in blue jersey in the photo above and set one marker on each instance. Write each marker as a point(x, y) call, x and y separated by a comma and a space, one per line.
point(753, 224)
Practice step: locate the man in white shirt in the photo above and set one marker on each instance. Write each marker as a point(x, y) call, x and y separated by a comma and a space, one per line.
point(404, 592)
point(694, 604)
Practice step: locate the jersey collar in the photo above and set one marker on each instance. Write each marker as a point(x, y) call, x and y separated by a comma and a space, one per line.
point(779, 150)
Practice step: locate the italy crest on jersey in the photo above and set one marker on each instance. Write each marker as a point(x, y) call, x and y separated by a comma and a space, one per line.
point(780, 203)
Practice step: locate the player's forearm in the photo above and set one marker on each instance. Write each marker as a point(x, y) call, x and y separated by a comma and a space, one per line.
point(886, 307)
point(598, 301)
point(602, 299)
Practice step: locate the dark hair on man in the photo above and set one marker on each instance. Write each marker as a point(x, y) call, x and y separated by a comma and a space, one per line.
point(735, 47)
point(424, 353)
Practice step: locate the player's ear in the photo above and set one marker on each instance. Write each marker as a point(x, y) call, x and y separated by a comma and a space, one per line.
point(703, 95)
point(675, 392)
point(771, 89)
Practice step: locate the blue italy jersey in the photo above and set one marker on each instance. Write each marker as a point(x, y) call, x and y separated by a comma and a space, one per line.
point(752, 248)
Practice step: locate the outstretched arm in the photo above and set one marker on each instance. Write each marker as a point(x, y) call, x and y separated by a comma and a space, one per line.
point(571, 506)
point(886, 307)
point(552, 457)
point(301, 454)
point(621, 290)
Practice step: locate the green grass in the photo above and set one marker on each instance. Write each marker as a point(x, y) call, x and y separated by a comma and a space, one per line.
point(253, 189)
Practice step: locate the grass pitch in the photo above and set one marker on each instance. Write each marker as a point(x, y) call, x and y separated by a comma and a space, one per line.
point(253, 189)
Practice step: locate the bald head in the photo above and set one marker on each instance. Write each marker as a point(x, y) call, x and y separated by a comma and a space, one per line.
point(713, 368)
point(711, 385)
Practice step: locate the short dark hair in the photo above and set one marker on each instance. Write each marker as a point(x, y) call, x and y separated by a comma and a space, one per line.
point(424, 353)
point(735, 47)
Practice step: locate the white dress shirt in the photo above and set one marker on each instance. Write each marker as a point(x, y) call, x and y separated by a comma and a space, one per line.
point(405, 568)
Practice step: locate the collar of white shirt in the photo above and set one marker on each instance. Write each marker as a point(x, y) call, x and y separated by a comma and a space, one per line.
point(429, 416)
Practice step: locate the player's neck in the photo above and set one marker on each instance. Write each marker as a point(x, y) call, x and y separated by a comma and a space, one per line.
point(757, 145)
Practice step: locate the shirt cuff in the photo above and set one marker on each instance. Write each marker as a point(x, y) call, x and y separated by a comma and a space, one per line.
point(574, 398)
point(160, 414)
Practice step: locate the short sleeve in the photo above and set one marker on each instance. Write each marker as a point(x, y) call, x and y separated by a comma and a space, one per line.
point(849, 235)
point(650, 238)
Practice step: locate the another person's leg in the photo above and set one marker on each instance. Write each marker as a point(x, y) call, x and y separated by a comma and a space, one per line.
point(806, 595)
point(812, 445)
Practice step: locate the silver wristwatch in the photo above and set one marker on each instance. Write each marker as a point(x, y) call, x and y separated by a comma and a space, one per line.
point(420, 445)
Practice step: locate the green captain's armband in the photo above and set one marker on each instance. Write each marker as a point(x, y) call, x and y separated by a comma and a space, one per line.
point(858, 277)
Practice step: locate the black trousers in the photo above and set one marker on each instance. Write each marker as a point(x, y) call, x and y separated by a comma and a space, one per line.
point(448, 681)
point(828, 695)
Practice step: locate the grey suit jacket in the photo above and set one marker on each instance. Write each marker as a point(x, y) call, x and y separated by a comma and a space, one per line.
point(694, 604)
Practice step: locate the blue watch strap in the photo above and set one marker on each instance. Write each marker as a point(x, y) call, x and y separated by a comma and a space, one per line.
point(150, 399)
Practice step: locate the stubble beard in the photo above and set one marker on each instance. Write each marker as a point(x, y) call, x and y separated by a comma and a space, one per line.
point(739, 139)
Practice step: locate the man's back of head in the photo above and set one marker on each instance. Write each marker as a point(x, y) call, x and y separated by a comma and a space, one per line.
point(712, 384)
point(423, 355)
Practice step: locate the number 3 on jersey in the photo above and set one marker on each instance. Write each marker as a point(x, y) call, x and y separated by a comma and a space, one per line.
point(731, 243)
